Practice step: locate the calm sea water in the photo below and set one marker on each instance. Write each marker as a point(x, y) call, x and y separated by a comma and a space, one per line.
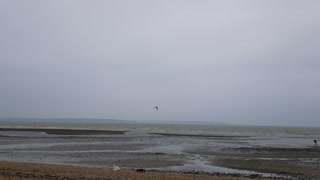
point(260, 135)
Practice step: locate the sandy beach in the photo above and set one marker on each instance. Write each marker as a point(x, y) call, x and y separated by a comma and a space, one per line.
point(44, 153)
point(14, 170)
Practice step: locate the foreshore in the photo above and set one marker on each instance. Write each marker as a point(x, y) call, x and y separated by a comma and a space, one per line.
point(33, 171)
point(89, 153)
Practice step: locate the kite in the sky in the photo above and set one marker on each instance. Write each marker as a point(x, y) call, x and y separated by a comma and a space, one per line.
point(156, 108)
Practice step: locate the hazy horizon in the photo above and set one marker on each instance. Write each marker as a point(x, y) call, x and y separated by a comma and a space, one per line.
point(121, 121)
point(236, 62)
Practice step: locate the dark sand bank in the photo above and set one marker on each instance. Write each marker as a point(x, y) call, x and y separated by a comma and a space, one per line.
point(199, 135)
point(65, 131)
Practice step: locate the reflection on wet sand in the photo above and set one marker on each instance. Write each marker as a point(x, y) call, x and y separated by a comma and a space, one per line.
point(188, 152)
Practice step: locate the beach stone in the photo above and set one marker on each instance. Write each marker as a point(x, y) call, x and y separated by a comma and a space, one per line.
point(140, 170)
point(116, 168)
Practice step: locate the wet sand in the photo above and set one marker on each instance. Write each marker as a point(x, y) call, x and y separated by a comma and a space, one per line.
point(14, 170)
point(162, 155)
point(295, 162)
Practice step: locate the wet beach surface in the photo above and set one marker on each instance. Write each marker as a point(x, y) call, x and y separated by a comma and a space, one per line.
point(242, 154)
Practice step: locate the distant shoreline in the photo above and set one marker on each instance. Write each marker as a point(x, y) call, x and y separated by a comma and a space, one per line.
point(65, 131)
point(164, 122)
point(118, 121)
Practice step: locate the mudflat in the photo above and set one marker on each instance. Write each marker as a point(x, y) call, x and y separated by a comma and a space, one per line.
point(162, 153)
point(301, 163)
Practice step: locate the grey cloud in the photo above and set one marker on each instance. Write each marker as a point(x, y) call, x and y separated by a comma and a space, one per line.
point(243, 62)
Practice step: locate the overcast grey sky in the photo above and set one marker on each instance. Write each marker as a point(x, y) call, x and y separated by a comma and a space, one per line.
point(239, 62)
